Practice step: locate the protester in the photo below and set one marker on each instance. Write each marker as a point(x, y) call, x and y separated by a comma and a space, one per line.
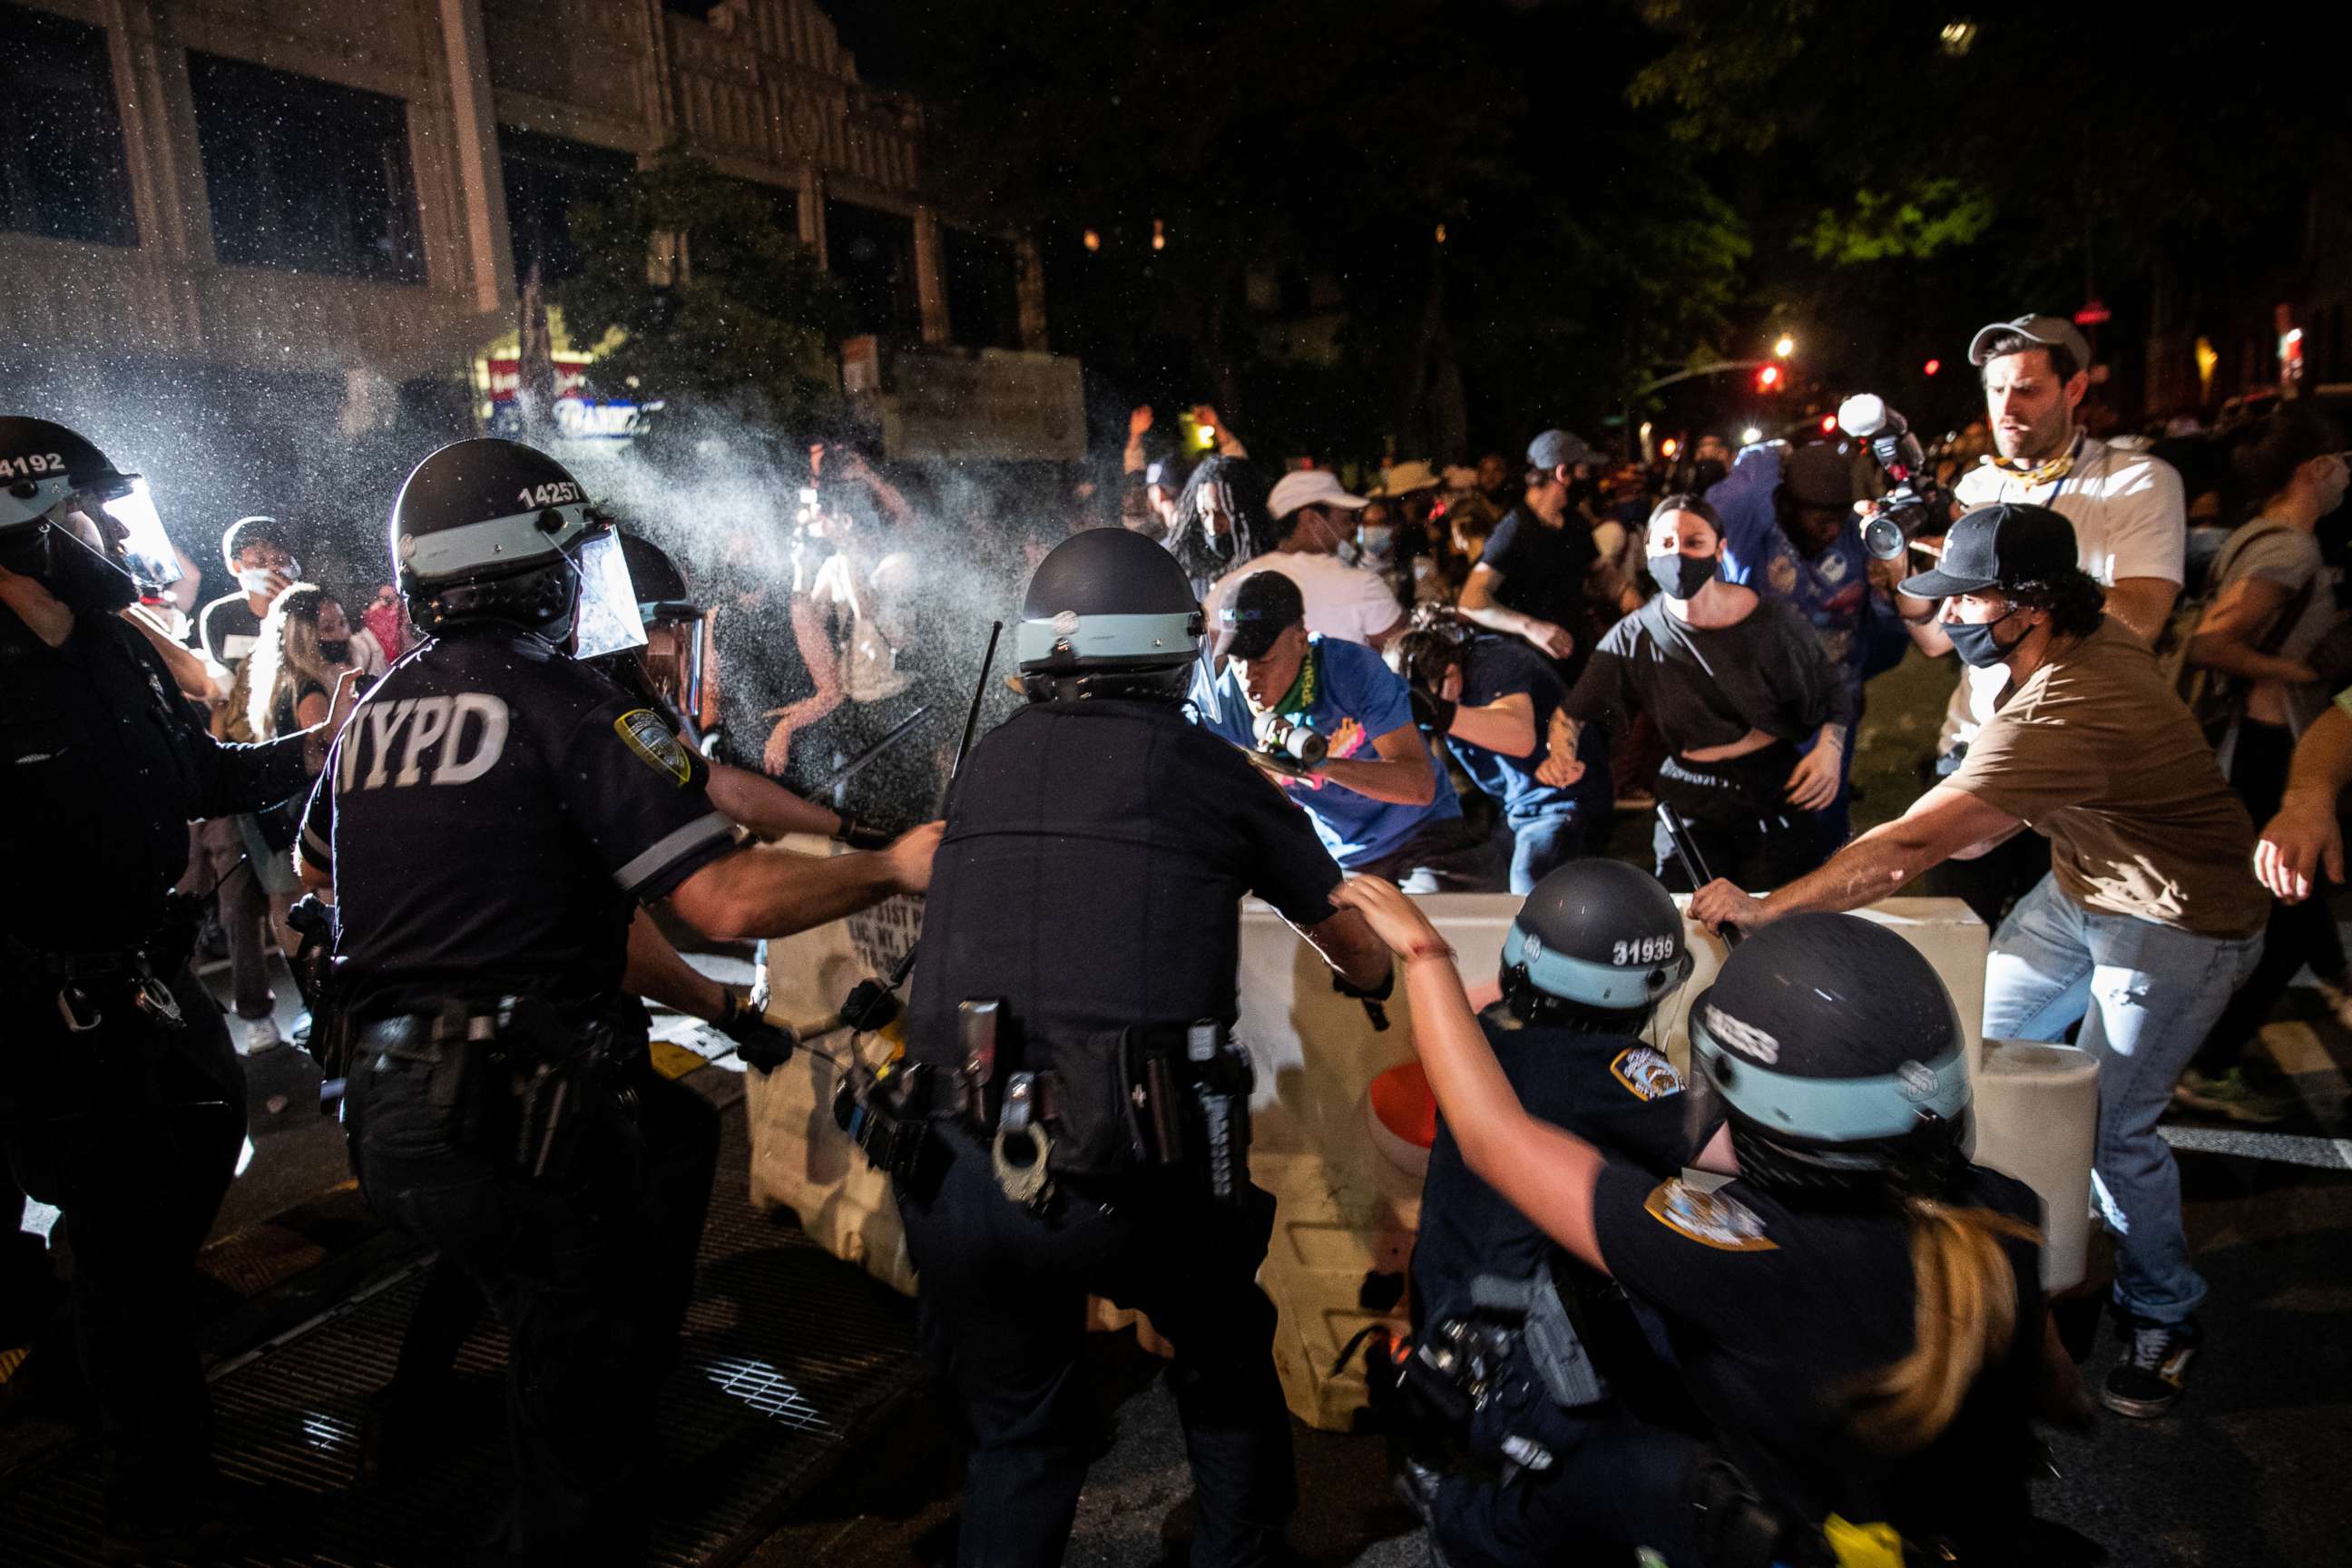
point(2148, 918)
point(1735, 683)
point(1790, 533)
point(2126, 509)
point(1491, 699)
point(2303, 841)
point(1537, 577)
point(303, 649)
point(1220, 521)
point(2271, 604)
point(1379, 799)
point(1314, 547)
point(257, 552)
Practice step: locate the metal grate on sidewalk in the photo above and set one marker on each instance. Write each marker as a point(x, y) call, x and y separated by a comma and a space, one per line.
point(789, 1353)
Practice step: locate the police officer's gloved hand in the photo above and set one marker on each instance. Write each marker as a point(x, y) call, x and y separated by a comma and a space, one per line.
point(1433, 714)
point(862, 835)
point(1371, 998)
point(759, 1043)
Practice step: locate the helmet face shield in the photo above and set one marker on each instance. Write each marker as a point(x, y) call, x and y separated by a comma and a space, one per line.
point(134, 533)
point(607, 618)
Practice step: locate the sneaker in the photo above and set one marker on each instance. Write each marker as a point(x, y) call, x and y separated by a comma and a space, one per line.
point(259, 1035)
point(2154, 1370)
point(2229, 1094)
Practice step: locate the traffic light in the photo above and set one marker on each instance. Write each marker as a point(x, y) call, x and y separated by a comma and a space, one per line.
point(1829, 423)
point(1769, 378)
point(1932, 366)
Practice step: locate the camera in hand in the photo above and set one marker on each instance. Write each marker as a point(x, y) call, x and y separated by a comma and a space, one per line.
point(1287, 741)
point(1917, 505)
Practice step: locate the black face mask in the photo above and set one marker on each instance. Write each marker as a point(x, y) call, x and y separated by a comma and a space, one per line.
point(335, 650)
point(82, 580)
point(1977, 644)
point(1681, 576)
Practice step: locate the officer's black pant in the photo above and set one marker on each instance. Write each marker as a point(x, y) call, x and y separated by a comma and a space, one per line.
point(562, 1264)
point(681, 1138)
point(1003, 1296)
point(1616, 1484)
point(132, 1130)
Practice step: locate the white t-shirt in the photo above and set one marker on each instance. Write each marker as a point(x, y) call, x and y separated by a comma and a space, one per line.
point(1342, 600)
point(2130, 521)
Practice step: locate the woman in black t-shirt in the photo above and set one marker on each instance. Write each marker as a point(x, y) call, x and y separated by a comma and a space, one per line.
point(1752, 713)
point(1858, 1312)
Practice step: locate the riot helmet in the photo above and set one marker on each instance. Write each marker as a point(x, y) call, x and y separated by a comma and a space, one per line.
point(669, 665)
point(1595, 947)
point(47, 474)
point(1836, 1054)
point(493, 530)
point(1109, 613)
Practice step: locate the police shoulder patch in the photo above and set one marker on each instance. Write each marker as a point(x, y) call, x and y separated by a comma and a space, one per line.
point(642, 730)
point(1645, 1074)
point(1711, 1219)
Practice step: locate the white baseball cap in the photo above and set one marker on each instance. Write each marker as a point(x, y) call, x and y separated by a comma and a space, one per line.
point(1310, 487)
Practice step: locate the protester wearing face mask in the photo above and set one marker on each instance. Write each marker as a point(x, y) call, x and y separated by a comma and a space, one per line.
point(1735, 683)
point(257, 553)
point(305, 646)
point(1537, 577)
point(2148, 919)
point(1315, 547)
point(2271, 609)
point(2130, 530)
point(1220, 521)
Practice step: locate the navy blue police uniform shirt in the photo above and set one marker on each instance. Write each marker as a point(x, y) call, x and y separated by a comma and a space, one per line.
point(492, 813)
point(1773, 1311)
point(1611, 1090)
point(103, 767)
point(1494, 668)
point(1092, 871)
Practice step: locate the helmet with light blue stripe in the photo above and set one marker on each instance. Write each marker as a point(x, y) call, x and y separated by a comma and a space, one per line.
point(1834, 1049)
point(1597, 946)
point(1107, 612)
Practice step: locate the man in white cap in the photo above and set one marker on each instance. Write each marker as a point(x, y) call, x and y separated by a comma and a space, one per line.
point(2131, 531)
point(1314, 522)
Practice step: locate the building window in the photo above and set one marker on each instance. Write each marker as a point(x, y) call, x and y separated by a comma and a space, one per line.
point(305, 175)
point(984, 286)
point(548, 179)
point(62, 172)
point(873, 254)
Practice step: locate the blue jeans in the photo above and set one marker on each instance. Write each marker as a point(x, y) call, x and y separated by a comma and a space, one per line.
point(2157, 991)
point(1541, 845)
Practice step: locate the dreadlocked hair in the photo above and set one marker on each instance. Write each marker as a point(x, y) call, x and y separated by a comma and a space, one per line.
point(1964, 1290)
point(1241, 494)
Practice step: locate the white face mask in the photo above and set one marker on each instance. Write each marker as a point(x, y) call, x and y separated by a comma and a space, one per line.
point(256, 579)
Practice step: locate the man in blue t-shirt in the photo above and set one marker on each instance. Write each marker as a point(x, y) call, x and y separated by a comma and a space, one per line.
point(1789, 533)
point(1379, 801)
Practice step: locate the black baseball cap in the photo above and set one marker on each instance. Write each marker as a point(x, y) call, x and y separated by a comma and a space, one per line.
point(1998, 546)
point(1262, 606)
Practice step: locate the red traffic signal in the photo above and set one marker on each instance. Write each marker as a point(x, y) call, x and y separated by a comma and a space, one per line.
point(1829, 423)
point(1931, 367)
point(1768, 378)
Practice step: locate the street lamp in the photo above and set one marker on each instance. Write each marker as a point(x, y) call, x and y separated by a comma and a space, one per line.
point(1785, 346)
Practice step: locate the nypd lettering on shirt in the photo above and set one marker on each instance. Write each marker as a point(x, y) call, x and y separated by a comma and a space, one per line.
point(450, 740)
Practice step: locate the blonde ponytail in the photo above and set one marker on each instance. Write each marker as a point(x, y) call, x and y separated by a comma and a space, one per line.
point(1964, 1318)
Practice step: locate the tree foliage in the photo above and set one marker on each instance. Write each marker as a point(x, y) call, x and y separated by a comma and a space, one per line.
point(708, 299)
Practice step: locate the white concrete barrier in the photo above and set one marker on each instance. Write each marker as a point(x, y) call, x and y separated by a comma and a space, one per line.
point(1346, 1213)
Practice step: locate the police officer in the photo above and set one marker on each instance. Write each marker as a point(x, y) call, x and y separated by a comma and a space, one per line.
point(121, 1098)
point(1070, 1023)
point(489, 819)
point(1591, 955)
point(1859, 1313)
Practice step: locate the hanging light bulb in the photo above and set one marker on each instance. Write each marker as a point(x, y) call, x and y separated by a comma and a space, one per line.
point(1091, 240)
point(1159, 235)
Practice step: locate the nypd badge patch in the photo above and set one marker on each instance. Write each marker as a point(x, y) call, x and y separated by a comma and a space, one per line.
point(642, 730)
point(1711, 1219)
point(1645, 1074)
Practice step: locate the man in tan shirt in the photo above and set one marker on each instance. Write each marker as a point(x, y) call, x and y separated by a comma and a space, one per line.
point(2151, 916)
